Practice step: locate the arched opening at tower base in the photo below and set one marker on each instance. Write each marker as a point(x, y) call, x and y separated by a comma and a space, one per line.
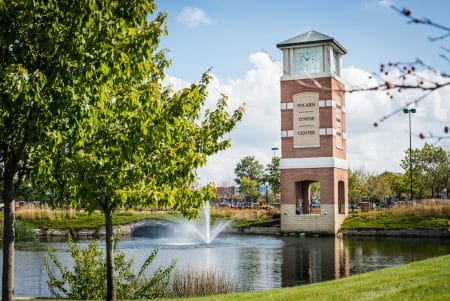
point(308, 197)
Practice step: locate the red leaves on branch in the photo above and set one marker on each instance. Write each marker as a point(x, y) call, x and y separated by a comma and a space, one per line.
point(421, 136)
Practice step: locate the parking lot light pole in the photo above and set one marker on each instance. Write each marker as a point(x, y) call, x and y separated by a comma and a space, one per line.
point(409, 111)
point(274, 149)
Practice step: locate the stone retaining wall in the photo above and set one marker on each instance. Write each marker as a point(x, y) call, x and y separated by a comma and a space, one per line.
point(253, 230)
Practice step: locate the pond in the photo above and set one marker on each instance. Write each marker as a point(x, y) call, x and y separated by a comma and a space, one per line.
point(254, 262)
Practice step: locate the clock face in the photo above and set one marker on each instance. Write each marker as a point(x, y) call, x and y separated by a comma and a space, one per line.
point(307, 60)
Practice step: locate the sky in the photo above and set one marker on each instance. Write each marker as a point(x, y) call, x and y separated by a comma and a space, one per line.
point(237, 40)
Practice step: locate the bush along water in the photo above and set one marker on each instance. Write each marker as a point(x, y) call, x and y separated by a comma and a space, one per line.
point(192, 282)
point(24, 231)
point(87, 279)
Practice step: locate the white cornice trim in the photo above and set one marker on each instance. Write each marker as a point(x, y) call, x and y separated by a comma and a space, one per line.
point(318, 162)
point(286, 77)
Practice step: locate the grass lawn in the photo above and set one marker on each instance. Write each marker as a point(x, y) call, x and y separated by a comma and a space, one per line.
point(83, 220)
point(422, 280)
point(370, 221)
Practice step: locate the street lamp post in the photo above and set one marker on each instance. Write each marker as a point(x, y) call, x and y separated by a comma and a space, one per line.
point(274, 149)
point(409, 111)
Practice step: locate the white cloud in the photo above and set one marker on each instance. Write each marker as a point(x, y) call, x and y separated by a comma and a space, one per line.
point(376, 149)
point(385, 2)
point(193, 16)
point(379, 149)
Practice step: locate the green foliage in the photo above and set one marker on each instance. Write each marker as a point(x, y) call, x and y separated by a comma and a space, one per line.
point(380, 188)
point(430, 170)
point(273, 174)
point(397, 183)
point(315, 191)
point(87, 280)
point(358, 189)
point(367, 186)
point(362, 221)
point(135, 142)
point(24, 231)
point(81, 90)
point(126, 140)
point(249, 188)
point(249, 168)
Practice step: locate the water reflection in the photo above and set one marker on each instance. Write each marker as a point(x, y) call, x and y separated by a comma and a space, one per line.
point(252, 262)
point(316, 259)
point(312, 259)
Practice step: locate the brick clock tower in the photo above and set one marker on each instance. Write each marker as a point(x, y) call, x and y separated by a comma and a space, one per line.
point(314, 180)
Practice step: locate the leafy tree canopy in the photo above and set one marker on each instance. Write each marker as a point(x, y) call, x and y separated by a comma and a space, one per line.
point(430, 168)
point(273, 174)
point(84, 79)
point(249, 168)
point(249, 188)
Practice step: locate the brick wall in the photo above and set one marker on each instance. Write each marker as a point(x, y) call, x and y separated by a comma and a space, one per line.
point(330, 89)
point(326, 222)
point(289, 178)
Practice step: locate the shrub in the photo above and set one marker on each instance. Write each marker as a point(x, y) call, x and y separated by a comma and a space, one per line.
point(276, 215)
point(87, 279)
point(192, 282)
point(24, 231)
point(426, 208)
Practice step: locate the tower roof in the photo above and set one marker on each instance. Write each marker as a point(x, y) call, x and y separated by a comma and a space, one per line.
point(311, 37)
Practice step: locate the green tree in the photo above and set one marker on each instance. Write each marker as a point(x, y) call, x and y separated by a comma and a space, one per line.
point(35, 42)
point(380, 188)
point(135, 142)
point(430, 170)
point(273, 174)
point(358, 189)
point(249, 188)
point(249, 168)
point(398, 184)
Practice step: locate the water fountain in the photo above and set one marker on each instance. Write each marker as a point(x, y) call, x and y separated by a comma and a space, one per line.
point(203, 228)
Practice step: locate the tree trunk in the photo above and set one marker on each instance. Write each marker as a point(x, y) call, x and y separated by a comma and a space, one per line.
point(110, 270)
point(8, 240)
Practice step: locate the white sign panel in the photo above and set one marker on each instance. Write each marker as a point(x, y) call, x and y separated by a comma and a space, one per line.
point(306, 120)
